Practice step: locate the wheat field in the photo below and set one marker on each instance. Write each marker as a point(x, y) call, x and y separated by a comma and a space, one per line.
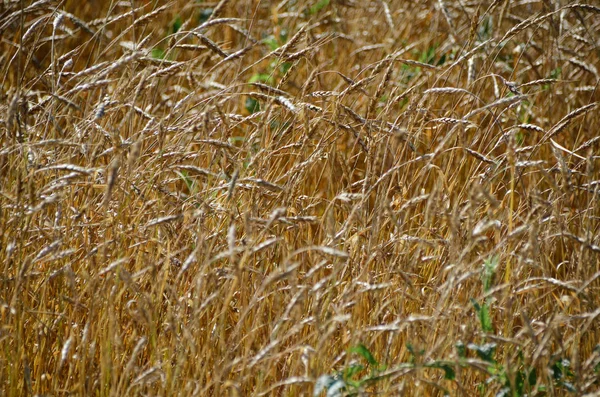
point(299, 198)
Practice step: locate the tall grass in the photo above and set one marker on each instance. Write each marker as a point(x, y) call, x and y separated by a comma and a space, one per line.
point(299, 197)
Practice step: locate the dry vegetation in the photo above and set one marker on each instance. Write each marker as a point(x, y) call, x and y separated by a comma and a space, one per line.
point(271, 198)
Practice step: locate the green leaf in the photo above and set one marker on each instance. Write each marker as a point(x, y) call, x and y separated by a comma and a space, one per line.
point(252, 105)
point(204, 15)
point(483, 312)
point(561, 369)
point(352, 370)
point(283, 35)
point(557, 370)
point(353, 384)
point(318, 6)
point(186, 179)
point(262, 77)
point(460, 349)
point(485, 352)
point(555, 73)
point(489, 270)
point(176, 24)
point(519, 382)
point(449, 372)
point(414, 354)
point(520, 138)
point(408, 73)
point(442, 60)
point(236, 139)
point(532, 377)
point(271, 42)
point(329, 383)
point(362, 350)
point(157, 53)
point(283, 69)
point(485, 319)
point(428, 56)
point(570, 387)
point(485, 29)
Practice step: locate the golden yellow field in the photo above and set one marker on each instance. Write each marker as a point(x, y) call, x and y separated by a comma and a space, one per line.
point(300, 198)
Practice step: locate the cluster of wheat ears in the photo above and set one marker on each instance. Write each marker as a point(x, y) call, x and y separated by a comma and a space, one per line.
point(303, 197)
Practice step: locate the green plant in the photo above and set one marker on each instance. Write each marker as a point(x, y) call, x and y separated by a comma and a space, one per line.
point(354, 378)
point(318, 6)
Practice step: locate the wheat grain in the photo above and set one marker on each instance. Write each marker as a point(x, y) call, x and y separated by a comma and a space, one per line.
point(173, 222)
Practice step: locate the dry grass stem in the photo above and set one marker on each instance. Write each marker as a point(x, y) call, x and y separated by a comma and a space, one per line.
point(300, 197)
